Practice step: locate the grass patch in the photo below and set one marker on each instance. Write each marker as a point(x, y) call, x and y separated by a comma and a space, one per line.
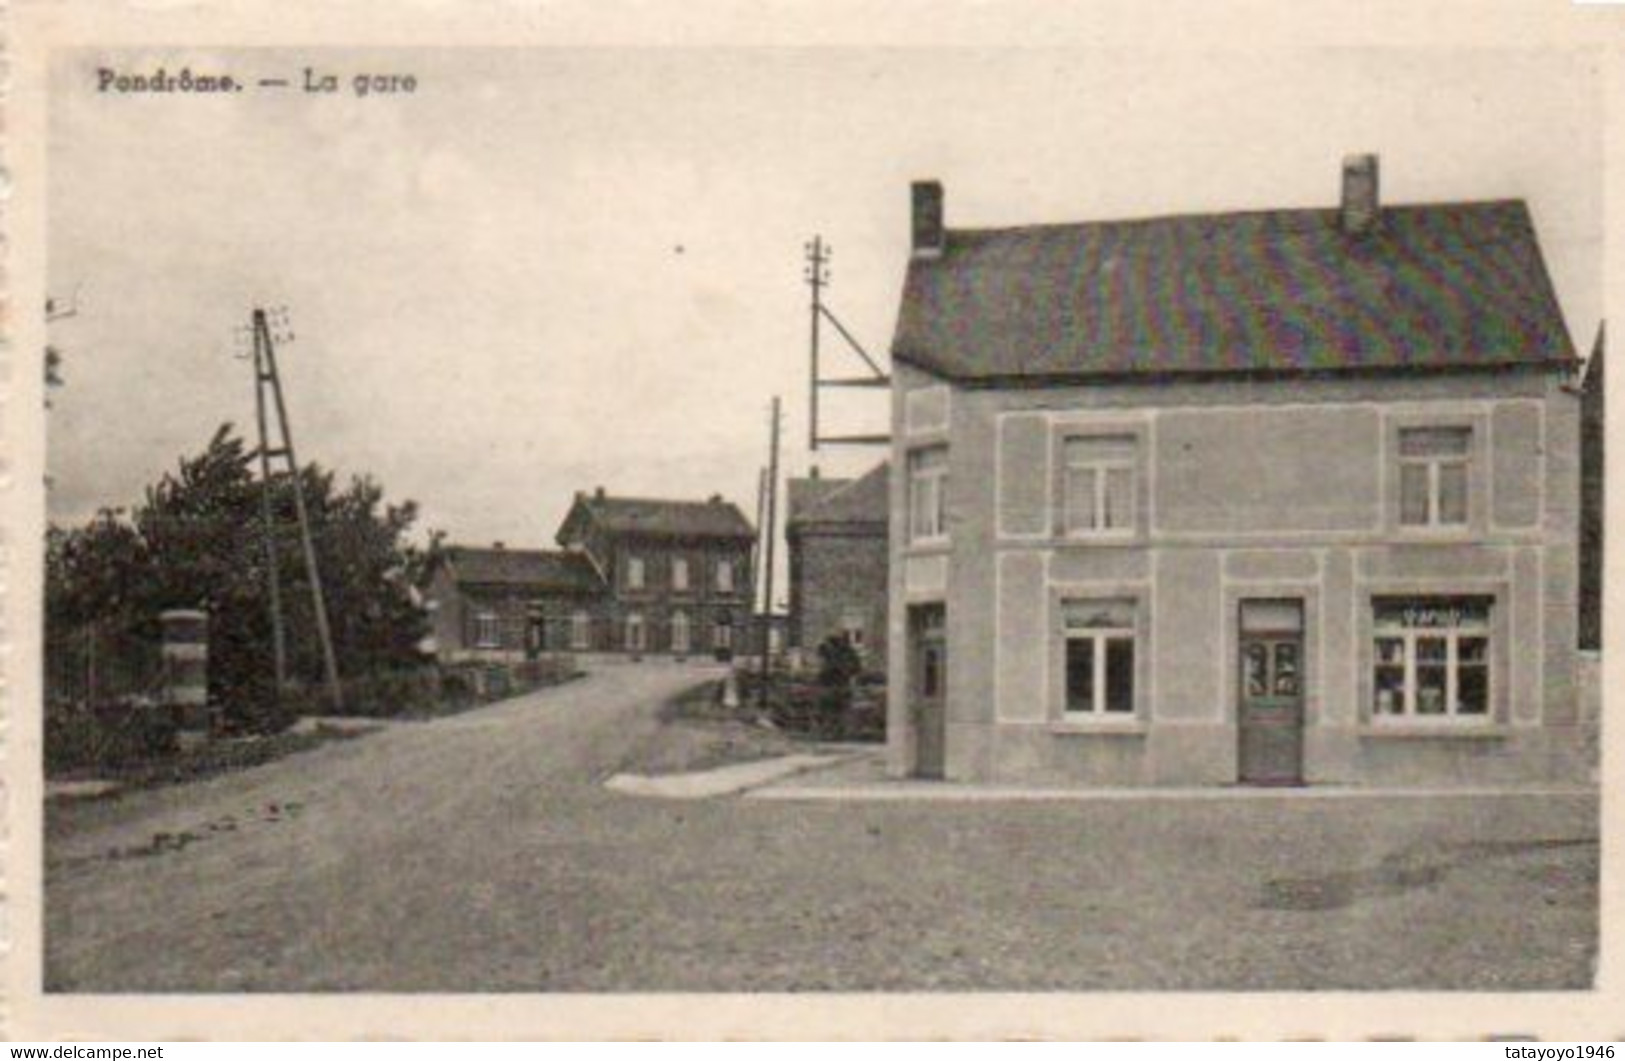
point(699, 732)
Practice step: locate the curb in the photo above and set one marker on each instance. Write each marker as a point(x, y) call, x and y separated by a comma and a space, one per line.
point(724, 781)
point(940, 792)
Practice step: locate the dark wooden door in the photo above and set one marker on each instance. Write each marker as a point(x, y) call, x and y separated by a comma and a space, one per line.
point(1270, 709)
point(929, 689)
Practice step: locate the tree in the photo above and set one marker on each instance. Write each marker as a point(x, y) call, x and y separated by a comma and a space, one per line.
point(197, 541)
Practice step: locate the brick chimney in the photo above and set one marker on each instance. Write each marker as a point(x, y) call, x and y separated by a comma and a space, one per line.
point(930, 237)
point(499, 546)
point(598, 493)
point(1361, 206)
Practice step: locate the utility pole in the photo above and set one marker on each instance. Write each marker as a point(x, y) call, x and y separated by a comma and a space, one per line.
point(266, 379)
point(767, 569)
point(816, 274)
point(761, 530)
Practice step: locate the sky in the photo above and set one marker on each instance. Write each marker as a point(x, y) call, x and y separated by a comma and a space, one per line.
point(548, 270)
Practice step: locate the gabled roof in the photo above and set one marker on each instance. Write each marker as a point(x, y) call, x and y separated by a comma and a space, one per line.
point(655, 518)
point(802, 496)
point(1436, 286)
point(864, 500)
point(529, 568)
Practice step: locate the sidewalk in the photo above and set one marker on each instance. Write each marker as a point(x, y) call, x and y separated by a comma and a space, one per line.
point(863, 778)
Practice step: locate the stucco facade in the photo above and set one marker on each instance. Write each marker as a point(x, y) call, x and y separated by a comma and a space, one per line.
point(1244, 491)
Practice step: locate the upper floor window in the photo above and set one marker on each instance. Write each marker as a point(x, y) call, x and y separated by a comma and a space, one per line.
point(927, 494)
point(1098, 484)
point(679, 573)
point(1433, 465)
point(634, 572)
point(725, 576)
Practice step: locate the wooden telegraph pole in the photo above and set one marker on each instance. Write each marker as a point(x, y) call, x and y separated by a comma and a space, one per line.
point(266, 380)
point(767, 570)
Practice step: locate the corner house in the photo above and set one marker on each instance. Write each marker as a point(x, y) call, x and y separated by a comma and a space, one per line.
point(1271, 497)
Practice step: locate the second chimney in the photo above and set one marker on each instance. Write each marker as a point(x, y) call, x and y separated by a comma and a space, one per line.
point(1361, 206)
point(929, 236)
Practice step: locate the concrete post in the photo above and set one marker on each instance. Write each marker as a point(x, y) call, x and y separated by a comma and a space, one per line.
point(186, 671)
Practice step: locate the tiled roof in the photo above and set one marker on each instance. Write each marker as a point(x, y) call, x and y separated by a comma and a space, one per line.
point(649, 517)
point(539, 568)
point(1456, 285)
point(865, 499)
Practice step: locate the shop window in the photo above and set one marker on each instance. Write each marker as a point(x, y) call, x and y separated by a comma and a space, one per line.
point(927, 494)
point(1099, 661)
point(1431, 658)
point(1433, 476)
point(1097, 485)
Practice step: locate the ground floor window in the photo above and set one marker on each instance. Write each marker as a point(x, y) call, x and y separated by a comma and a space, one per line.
point(487, 630)
point(635, 639)
point(722, 636)
point(1432, 657)
point(852, 626)
point(1099, 657)
point(679, 632)
point(580, 631)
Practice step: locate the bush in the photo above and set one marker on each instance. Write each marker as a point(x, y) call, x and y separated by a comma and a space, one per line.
point(107, 735)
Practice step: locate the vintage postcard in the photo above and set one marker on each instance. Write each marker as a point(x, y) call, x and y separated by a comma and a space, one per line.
point(951, 520)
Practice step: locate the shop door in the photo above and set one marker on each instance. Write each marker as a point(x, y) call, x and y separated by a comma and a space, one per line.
point(928, 679)
point(1270, 709)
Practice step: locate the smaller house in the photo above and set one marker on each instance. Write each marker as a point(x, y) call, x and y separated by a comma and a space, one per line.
point(496, 604)
point(836, 533)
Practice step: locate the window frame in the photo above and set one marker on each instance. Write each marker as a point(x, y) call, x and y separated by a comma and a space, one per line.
point(487, 628)
point(1099, 639)
point(1433, 465)
point(1099, 469)
point(1410, 663)
point(935, 479)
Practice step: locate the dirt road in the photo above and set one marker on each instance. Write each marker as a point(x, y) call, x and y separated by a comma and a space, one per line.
point(480, 853)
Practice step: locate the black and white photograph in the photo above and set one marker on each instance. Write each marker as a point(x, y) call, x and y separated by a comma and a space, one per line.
point(577, 520)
